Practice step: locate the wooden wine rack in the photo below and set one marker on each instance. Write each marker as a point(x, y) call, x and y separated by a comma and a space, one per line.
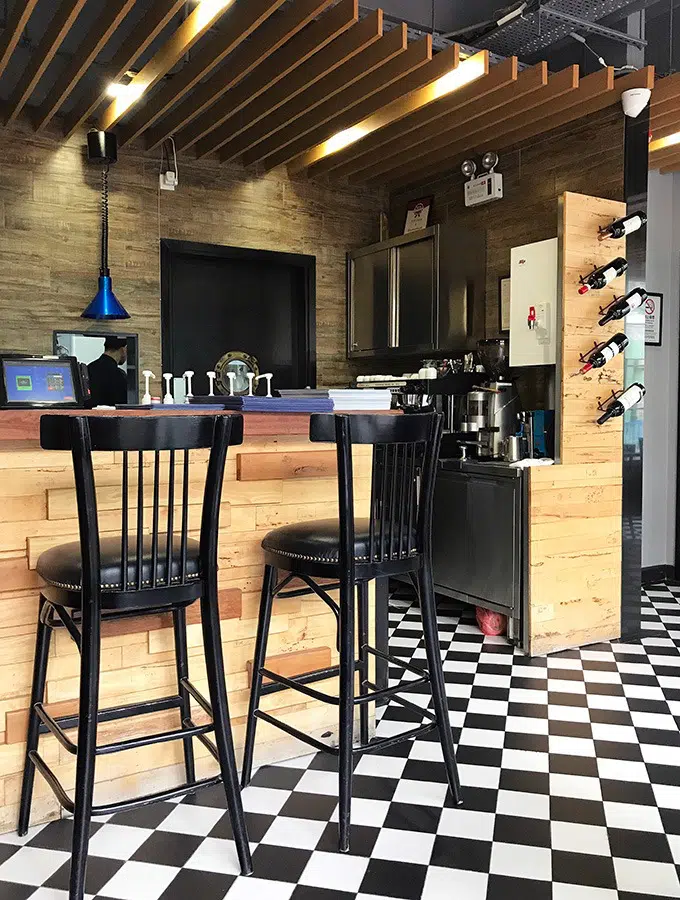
point(575, 505)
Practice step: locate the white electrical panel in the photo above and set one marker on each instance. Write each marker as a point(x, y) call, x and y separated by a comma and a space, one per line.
point(533, 304)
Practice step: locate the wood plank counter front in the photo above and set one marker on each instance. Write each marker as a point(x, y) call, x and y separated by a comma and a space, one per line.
point(276, 477)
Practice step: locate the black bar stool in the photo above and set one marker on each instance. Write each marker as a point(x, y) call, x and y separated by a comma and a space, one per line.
point(98, 579)
point(395, 540)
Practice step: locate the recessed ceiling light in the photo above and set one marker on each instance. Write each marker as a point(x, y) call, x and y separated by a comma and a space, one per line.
point(129, 92)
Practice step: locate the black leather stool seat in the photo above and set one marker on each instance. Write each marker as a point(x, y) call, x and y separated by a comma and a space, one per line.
point(316, 541)
point(61, 566)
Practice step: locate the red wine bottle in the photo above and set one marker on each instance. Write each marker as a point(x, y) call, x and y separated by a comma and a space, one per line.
point(623, 305)
point(623, 402)
point(601, 277)
point(627, 225)
point(602, 355)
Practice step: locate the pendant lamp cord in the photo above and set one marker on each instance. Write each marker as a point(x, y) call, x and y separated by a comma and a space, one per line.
point(105, 221)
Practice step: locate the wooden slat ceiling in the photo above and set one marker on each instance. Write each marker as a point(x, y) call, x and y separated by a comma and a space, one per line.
point(664, 149)
point(307, 83)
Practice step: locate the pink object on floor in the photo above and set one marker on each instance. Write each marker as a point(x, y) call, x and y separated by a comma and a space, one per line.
point(491, 623)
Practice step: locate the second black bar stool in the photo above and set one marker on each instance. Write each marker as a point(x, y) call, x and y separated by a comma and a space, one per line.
point(138, 573)
point(395, 539)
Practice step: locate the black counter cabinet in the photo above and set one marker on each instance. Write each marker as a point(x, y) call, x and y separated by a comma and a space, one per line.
point(480, 538)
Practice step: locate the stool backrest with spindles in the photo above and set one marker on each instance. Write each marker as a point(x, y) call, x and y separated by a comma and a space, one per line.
point(170, 438)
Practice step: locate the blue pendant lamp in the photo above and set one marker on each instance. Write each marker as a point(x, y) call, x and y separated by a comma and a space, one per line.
point(102, 148)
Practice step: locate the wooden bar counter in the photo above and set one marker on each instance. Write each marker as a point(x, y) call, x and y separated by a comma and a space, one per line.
point(276, 477)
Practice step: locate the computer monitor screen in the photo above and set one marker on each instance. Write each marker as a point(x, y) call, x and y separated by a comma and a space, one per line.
point(39, 381)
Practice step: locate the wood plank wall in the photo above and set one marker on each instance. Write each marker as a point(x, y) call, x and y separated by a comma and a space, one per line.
point(49, 236)
point(575, 507)
point(282, 480)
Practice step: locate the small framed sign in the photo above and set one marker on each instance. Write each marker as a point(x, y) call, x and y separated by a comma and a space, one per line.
point(653, 319)
point(504, 303)
point(418, 214)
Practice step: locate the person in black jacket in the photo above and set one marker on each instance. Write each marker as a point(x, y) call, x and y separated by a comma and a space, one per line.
point(108, 382)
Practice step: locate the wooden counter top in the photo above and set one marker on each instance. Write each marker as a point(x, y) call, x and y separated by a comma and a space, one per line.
point(21, 427)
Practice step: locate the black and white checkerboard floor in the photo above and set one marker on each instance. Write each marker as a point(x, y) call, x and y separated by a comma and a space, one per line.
point(571, 771)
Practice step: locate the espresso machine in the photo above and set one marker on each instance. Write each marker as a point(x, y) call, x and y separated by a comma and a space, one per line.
point(491, 418)
point(491, 409)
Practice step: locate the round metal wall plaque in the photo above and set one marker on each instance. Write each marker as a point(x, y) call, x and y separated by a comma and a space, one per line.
point(240, 364)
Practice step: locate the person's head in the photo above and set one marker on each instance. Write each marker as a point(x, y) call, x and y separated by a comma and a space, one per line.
point(116, 348)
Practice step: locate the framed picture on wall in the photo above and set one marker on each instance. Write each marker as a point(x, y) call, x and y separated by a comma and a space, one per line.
point(418, 214)
point(504, 303)
point(653, 319)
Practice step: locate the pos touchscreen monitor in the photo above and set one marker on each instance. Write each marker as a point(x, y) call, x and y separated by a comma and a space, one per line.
point(40, 382)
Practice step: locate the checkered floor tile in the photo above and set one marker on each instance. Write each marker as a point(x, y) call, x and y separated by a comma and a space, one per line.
point(570, 767)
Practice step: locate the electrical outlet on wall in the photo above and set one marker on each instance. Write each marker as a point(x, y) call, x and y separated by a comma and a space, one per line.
point(168, 180)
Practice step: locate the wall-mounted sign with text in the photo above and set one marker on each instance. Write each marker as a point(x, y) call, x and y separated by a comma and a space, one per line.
point(653, 319)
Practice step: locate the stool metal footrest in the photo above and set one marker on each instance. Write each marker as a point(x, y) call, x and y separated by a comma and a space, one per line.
point(188, 730)
point(123, 805)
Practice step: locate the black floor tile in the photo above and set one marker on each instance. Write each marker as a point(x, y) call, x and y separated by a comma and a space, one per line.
point(362, 839)
point(166, 848)
point(583, 869)
point(258, 825)
point(280, 863)
point(99, 872)
point(194, 885)
point(461, 853)
point(390, 878)
point(501, 887)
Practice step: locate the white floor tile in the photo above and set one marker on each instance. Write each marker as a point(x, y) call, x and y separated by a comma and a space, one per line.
point(623, 770)
point(667, 796)
point(189, 819)
point(467, 823)
point(577, 838)
point(622, 734)
point(367, 812)
point(380, 766)
point(31, 865)
point(633, 817)
point(526, 760)
point(422, 793)
point(650, 878)
point(525, 805)
point(571, 746)
point(445, 884)
point(315, 781)
point(139, 881)
point(580, 787)
point(253, 888)
point(215, 855)
point(334, 870)
point(264, 800)
point(520, 861)
point(405, 846)
point(289, 832)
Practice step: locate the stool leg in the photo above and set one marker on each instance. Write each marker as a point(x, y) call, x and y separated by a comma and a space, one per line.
point(42, 649)
point(362, 622)
point(179, 617)
point(266, 604)
point(210, 618)
point(87, 743)
point(428, 612)
point(346, 741)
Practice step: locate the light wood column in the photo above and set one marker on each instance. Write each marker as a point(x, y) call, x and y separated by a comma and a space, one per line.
point(575, 506)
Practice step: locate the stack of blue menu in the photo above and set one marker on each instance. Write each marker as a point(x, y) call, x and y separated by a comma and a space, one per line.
point(278, 404)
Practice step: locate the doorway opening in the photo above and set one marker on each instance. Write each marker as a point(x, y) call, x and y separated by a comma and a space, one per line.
point(216, 300)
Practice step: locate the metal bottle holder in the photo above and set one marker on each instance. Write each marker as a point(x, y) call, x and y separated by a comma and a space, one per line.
point(603, 309)
point(603, 404)
point(596, 346)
